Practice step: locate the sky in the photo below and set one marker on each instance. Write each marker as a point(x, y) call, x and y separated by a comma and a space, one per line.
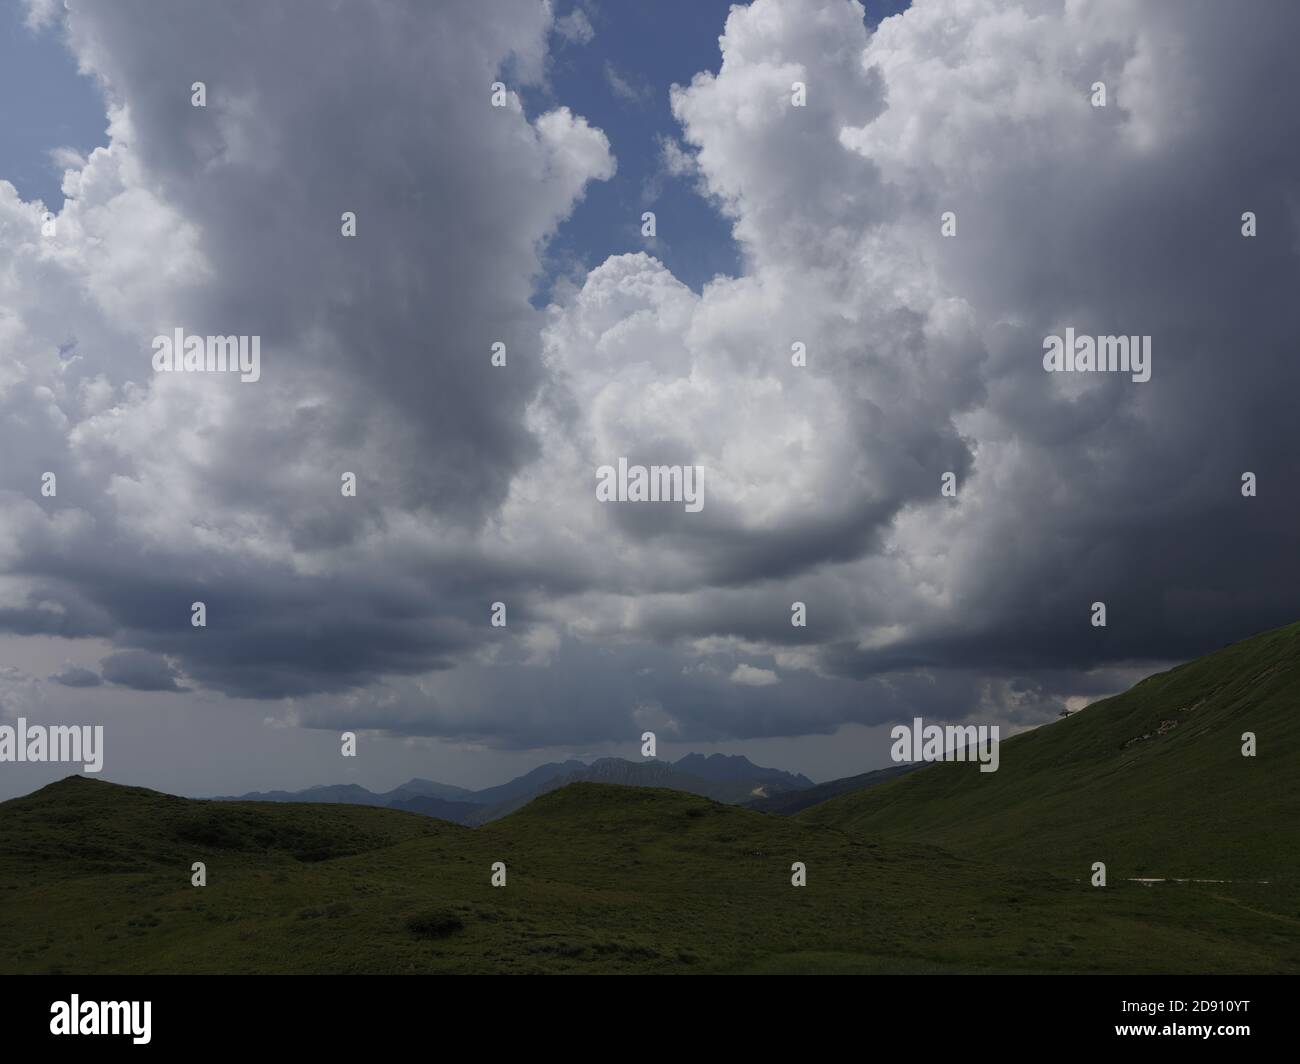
point(947, 194)
point(45, 107)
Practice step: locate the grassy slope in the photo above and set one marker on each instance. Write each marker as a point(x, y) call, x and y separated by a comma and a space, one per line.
point(1180, 804)
point(95, 878)
point(790, 802)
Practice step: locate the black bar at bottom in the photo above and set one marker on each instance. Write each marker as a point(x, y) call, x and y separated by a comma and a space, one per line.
point(342, 1013)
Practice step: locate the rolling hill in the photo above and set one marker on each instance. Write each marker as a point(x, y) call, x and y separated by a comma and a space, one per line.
point(1152, 782)
point(95, 878)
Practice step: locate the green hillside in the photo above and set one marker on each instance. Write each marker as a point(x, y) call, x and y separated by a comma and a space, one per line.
point(1152, 782)
point(95, 878)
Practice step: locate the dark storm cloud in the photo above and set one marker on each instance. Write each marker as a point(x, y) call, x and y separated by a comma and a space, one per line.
point(1125, 220)
point(1131, 494)
point(141, 671)
point(375, 348)
point(822, 482)
point(271, 634)
point(72, 676)
point(586, 696)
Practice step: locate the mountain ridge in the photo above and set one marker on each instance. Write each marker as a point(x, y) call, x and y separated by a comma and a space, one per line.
point(733, 779)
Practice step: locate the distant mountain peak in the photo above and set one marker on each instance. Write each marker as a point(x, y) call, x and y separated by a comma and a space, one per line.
point(735, 767)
